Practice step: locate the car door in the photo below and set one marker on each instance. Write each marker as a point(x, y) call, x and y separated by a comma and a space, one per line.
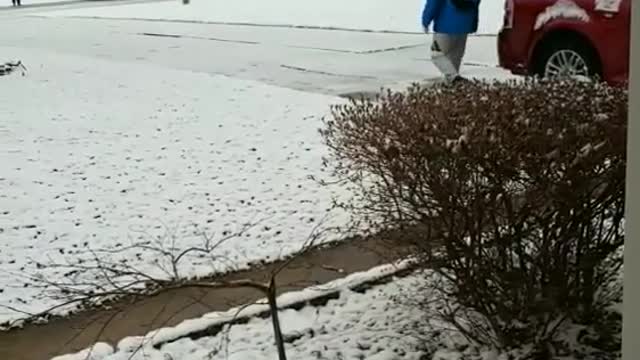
point(613, 19)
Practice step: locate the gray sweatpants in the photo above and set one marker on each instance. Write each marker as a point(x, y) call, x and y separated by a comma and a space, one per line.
point(447, 52)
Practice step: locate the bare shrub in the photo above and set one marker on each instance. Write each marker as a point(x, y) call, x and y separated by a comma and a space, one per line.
point(513, 192)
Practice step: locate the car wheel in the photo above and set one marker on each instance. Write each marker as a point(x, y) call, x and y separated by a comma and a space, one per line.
point(573, 59)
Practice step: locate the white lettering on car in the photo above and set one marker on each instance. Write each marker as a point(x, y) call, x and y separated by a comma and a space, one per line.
point(561, 9)
point(608, 5)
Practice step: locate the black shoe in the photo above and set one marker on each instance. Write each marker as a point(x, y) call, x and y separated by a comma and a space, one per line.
point(460, 80)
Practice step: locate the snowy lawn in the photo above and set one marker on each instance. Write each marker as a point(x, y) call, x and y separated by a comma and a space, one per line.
point(380, 15)
point(102, 155)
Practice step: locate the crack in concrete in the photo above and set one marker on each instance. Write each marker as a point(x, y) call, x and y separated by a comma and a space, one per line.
point(466, 63)
point(320, 72)
point(243, 23)
point(178, 36)
point(356, 52)
point(359, 52)
point(240, 23)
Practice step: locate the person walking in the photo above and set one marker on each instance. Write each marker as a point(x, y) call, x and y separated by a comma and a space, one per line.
point(16, 2)
point(453, 21)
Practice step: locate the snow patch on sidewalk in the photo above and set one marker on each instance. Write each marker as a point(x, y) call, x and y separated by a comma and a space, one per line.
point(97, 351)
point(562, 9)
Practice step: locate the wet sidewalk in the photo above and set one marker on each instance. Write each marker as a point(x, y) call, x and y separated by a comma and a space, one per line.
point(61, 336)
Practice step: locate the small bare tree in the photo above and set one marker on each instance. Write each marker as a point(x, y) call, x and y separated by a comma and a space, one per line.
point(101, 281)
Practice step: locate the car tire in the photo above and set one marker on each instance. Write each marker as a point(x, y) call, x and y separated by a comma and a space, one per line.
point(579, 52)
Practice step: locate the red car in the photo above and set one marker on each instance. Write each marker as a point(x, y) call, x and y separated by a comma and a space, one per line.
point(551, 38)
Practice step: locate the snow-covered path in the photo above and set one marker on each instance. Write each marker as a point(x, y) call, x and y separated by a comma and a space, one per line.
point(329, 62)
point(379, 15)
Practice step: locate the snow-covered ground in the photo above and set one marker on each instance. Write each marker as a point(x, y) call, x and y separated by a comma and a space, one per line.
point(330, 62)
point(7, 3)
point(130, 137)
point(117, 137)
point(374, 325)
point(100, 155)
point(380, 15)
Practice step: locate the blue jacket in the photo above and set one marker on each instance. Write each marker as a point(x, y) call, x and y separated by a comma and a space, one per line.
point(447, 19)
